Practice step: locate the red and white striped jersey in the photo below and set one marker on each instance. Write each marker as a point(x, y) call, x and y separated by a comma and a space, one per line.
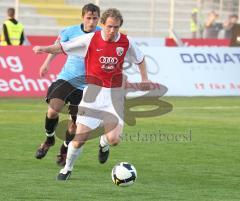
point(103, 59)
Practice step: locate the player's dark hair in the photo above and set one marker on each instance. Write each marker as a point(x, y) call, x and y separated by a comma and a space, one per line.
point(90, 8)
point(11, 12)
point(112, 12)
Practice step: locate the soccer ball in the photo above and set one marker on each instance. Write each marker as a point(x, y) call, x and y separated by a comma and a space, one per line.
point(124, 174)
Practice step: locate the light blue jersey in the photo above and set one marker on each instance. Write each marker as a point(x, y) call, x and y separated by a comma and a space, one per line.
point(74, 68)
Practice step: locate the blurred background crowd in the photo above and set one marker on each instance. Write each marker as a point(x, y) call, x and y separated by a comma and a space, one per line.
point(142, 18)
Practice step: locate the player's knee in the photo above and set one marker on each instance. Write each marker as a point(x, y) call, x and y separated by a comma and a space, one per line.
point(79, 140)
point(113, 140)
point(52, 114)
point(77, 144)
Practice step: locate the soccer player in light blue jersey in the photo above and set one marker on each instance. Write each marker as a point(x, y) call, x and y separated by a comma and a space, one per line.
point(68, 86)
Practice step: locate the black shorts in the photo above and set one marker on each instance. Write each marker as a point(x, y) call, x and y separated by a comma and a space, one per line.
point(63, 90)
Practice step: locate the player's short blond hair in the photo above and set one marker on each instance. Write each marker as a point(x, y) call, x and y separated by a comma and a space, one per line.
point(112, 12)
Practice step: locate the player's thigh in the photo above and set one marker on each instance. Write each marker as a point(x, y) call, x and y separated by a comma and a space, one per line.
point(55, 106)
point(88, 117)
point(82, 135)
point(57, 94)
point(74, 100)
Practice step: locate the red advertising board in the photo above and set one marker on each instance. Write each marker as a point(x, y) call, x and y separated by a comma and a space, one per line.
point(19, 72)
point(199, 42)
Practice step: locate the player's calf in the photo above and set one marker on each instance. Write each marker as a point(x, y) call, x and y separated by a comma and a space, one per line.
point(50, 126)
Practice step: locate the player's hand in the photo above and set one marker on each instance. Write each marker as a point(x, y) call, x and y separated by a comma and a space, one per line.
point(38, 50)
point(43, 70)
point(145, 85)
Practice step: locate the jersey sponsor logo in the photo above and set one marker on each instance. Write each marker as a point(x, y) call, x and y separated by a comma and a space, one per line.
point(119, 51)
point(98, 50)
point(108, 60)
point(108, 63)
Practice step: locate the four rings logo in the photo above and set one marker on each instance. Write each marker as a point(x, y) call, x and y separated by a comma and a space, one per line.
point(108, 60)
point(108, 63)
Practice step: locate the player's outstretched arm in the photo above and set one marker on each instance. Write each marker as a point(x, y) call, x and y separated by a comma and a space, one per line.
point(46, 65)
point(52, 49)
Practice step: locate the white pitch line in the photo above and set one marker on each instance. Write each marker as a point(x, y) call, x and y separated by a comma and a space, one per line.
point(27, 111)
point(209, 107)
point(174, 108)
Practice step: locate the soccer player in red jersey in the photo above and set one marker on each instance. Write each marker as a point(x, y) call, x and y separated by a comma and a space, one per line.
point(102, 103)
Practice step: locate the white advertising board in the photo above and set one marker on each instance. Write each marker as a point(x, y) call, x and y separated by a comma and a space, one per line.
point(149, 42)
point(192, 71)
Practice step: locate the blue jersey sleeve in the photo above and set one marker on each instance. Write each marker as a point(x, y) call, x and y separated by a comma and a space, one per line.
point(64, 35)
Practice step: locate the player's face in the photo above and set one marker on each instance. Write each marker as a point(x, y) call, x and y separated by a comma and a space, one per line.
point(90, 21)
point(111, 28)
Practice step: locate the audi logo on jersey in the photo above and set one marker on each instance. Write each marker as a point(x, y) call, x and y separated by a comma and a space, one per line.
point(108, 60)
point(108, 63)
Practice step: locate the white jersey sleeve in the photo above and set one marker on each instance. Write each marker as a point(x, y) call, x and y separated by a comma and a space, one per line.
point(134, 54)
point(77, 46)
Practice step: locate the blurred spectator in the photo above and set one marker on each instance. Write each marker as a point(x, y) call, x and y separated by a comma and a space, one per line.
point(196, 25)
point(12, 31)
point(228, 26)
point(235, 40)
point(212, 28)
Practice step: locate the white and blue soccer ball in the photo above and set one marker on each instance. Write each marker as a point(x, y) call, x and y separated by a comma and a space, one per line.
point(124, 174)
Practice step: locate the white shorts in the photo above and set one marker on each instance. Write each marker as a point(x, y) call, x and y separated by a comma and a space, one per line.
point(100, 106)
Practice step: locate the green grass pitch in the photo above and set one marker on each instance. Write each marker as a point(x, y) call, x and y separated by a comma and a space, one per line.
point(197, 157)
